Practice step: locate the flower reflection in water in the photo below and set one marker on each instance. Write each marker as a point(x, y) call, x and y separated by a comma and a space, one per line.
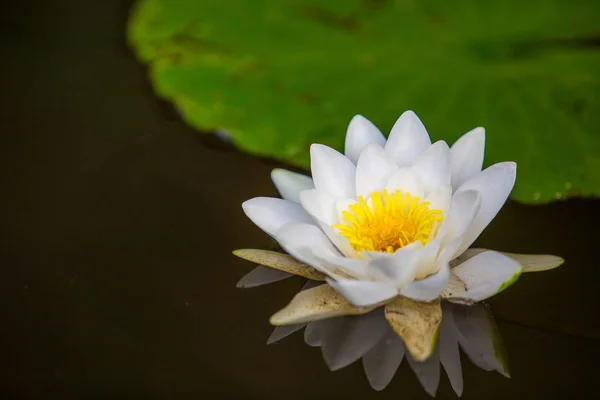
point(344, 340)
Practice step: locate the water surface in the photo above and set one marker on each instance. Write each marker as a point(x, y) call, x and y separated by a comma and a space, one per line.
point(118, 222)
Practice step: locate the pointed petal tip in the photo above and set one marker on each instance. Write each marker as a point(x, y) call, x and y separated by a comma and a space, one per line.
point(276, 171)
point(317, 147)
point(540, 263)
point(358, 118)
point(243, 253)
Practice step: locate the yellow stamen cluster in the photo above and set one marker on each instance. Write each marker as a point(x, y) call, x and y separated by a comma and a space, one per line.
point(391, 222)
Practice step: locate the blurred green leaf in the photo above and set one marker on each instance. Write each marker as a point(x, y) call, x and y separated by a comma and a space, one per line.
point(281, 74)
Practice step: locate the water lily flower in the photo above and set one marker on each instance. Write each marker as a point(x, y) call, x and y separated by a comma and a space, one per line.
point(390, 222)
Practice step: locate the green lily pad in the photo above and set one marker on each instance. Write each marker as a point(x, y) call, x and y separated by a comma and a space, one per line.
point(279, 75)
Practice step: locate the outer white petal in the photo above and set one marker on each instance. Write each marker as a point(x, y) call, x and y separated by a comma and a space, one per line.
point(363, 293)
point(494, 184)
point(407, 140)
point(485, 275)
point(290, 184)
point(406, 181)
point(361, 132)
point(332, 172)
point(303, 242)
point(466, 156)
point(320, 205)
point(433, 166)
point(428, 289)
point(373, 170)
point(270, 214)
point(261, 276)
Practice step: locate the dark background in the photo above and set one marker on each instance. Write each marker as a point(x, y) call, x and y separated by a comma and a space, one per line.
point(117, 225)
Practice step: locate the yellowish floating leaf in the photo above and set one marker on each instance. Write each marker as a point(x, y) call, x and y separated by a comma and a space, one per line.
point(417, 323)
point(536, 262)
point(280, 261)
point(315, 304)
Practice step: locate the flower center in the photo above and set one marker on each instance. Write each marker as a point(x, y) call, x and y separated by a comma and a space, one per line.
point(391, 222)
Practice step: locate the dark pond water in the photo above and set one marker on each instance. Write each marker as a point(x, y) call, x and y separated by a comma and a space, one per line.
point(118, 221)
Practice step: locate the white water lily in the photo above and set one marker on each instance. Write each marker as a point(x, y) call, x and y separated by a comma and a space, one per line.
point(395, 217)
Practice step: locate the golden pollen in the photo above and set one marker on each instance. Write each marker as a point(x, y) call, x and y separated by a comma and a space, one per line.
point(391, 222)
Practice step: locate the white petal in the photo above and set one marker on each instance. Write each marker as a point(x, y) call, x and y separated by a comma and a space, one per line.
point(281, 332)
point(270, 214)
point(342, 244)
point(320, 205)
point(398, 268)
point(363, 293)
point(428, 289)
point(486, 274)
point(466, 156)
point(343, 204)
point(428, 371)
point(406, 181)
point(261, 276)
point(373, 170)
point(352, 341)
point(494, 184)
point(427, 262)
point(449, 354)
point(433, 167)
point(332, 172)
point(382, 361)
point(303, 242)
point(463, 209)
point(407, 140)
point(356, 268)
point(440, 199)
point(361, 132)
point(290, 184)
